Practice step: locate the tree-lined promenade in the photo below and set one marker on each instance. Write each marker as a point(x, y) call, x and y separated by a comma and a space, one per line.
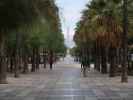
point(30, 32)
point(33, 65)
point(103, 36)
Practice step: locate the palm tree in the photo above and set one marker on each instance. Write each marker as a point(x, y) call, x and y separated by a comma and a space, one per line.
point(124, 44)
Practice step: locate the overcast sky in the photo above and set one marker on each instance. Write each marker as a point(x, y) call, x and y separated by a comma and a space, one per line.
point(70, 13)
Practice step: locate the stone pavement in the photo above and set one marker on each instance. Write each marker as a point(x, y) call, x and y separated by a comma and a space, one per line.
point(65, 82)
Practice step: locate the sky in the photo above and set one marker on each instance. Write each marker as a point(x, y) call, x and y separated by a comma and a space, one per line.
point(70, 13)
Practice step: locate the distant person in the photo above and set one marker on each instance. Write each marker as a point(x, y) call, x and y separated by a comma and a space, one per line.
point(63, 57)
point(51, 60)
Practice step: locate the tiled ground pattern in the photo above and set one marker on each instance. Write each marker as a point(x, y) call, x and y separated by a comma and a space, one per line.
point(65, 82)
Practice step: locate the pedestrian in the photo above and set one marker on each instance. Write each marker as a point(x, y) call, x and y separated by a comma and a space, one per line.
point(51, 59)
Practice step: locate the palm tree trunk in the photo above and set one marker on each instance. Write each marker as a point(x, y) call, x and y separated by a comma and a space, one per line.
point(37, 58)
point(117, 59)
point(17, 55)
point(3, 66)
point(97, 57)
point(44, 58)
point(25, 70)
point(112, 62)
point(103, 60)
point(11, 64)
point(17, 63)
point(88, 58)
point(33, 68)
point(124, 76)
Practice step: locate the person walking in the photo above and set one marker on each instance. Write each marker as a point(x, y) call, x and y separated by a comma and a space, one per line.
point(51, 59)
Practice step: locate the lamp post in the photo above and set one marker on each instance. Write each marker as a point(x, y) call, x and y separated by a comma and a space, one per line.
point(124, 76)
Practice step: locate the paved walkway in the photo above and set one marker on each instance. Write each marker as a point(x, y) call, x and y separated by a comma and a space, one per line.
point(65, 82)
